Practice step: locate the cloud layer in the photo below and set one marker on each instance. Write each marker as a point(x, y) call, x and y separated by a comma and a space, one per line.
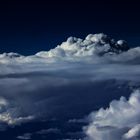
point(50, 83)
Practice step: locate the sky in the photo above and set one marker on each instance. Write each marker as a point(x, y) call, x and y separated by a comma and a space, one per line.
point(85, 88)
point(27, 27)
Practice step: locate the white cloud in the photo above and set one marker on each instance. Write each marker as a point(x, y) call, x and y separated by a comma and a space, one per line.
point(95, 48)
point(133, 133)
point(93, 45)
point(119, 121)
point(11, 121)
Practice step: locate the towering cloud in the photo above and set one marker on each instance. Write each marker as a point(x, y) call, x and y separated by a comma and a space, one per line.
point(97, 44)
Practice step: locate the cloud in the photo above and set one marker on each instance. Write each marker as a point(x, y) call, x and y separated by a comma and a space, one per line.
point(50, 83)
point(26, 136)
point(9, 116)
point(97, 44)
point(133, 133)
point(120, 121)
point(95, 48)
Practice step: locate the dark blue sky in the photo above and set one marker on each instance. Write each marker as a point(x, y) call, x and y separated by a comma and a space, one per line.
point(29, 26)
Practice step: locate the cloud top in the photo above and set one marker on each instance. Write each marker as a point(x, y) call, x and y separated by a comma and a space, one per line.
point(93, 46)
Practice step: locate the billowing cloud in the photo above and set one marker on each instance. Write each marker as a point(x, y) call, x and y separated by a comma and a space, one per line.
point(26, 136)
point(95, 48)
point(133, 132)
point(97, 44)
point(120, 121)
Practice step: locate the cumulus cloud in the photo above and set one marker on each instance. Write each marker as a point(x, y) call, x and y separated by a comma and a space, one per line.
point(97, 44)
point(120, 121)
point(95, 48)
